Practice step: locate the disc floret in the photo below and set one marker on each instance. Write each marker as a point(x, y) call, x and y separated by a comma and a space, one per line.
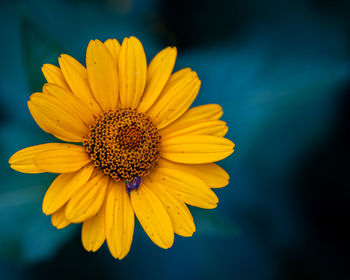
point(124, 144)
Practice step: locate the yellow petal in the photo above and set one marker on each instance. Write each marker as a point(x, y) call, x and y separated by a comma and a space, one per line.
point(177, 96)
point(23, 160)
point(44, 124)
point(199, 127)
point(93, 231)
point(87, 201)
point(26, 168)
point(179, 214)
point(63, 187)
point(196, 148)
point(132, 72)
point(76, 76)
point(195, 158)
point(152, 216)
point(66, 99)
point(63, 158)
point(119, 220)
point(158, 73)
point(223, 132)
point(114, 48)
point(103, 76)
point(55, 119)
point(203, 112)
point(189, 188)
point(59, 220)
point(212, 174)
point(53, 74)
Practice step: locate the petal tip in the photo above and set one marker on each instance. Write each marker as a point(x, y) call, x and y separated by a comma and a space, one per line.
point(44, 67)
point(12, 159)
point(13, 166)
point(63, 57)
point(134, 38)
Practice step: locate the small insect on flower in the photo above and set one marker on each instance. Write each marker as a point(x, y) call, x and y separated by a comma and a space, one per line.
point(143, 152)
point(133, 184)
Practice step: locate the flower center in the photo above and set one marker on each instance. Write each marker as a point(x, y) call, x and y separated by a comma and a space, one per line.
point(124, 144)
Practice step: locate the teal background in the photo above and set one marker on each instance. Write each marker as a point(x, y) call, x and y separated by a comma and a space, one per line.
point(280, 69)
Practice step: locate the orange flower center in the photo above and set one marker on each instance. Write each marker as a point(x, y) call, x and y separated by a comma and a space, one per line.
point(124, 143)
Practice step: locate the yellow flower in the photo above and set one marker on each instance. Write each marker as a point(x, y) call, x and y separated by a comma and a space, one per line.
point(143, 150)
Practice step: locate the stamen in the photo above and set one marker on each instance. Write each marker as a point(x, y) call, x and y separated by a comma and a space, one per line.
point(123, 144)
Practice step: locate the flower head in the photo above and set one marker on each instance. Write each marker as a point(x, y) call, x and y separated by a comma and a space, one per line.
point(143, 150)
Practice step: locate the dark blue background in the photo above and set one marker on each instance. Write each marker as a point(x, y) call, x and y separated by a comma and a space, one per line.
point(280, 69)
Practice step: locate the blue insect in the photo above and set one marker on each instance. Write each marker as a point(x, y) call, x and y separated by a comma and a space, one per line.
point(133, 184)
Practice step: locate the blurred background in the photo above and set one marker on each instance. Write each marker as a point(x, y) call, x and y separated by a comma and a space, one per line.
point(281, 71)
